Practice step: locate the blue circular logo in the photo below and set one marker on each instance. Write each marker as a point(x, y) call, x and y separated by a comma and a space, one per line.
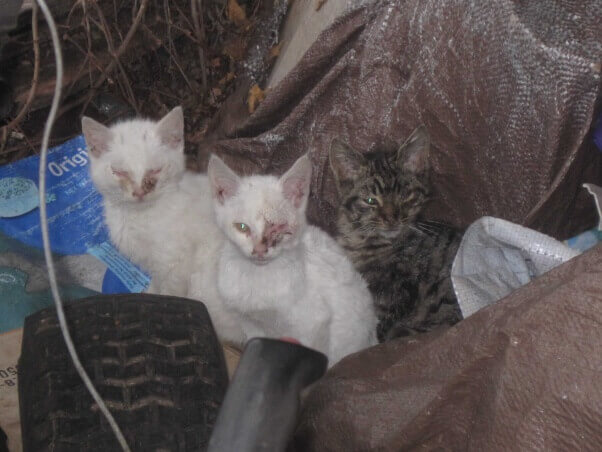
point(17, 196)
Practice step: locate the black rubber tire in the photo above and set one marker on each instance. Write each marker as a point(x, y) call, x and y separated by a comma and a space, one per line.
point(155, 360)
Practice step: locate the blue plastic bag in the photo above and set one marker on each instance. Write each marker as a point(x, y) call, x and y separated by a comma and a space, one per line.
point(86, 260)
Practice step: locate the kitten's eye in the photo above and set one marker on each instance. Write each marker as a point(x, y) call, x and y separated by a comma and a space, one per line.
point(371, 201)
point(154, 172)
point(242, 227)
point(120, 173)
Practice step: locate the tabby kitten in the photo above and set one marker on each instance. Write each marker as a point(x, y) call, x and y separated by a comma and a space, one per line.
point(405, 260)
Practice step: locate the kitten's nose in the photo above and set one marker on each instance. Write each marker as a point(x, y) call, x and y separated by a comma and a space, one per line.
point(138, 193)
point(388, 213)
point(260, 249)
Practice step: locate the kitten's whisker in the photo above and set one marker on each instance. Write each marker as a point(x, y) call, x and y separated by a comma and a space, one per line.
point(430, 223)
point(427, 231)
point(416, 229)
point(433, 222)
point(426, 226)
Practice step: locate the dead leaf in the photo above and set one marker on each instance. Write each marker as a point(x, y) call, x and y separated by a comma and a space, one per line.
point(216, 91)
point(198, 136)
point(226, 78)
point(256, 95)
point(236, 48)
point(216, 62)
point(274, 52)
point(236, 13)
point(319, 4)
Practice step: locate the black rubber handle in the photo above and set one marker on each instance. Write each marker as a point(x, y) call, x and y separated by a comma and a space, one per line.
point(261, 406)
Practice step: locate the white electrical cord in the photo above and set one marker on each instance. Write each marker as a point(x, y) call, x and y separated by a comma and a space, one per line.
point(44, 227)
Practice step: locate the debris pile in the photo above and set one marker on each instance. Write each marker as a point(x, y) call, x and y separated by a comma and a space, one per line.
point(132, 56)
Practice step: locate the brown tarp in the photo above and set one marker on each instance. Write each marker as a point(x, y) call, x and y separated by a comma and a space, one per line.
point(508, 91)
point(523, 374)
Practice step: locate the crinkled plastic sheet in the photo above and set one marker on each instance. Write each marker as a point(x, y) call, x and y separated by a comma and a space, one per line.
point(497, 257)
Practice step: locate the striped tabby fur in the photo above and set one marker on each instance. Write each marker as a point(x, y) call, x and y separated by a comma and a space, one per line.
point(405, 260)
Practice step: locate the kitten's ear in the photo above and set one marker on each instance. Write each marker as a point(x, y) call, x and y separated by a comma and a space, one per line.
point(346, 163)
point(224, 181)
point(97, 136)
point(295, 182)
point(170, 128)
point(413, 155)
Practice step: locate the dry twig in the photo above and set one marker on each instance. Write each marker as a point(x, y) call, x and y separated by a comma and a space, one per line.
point(171, 49)
point(199, 31)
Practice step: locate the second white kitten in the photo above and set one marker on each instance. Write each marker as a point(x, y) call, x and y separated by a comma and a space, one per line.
point(283, 277)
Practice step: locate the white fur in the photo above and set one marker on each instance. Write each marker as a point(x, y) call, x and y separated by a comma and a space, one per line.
point(203, 287)
point(162, 236)
point(161, 231)
point(303, 286)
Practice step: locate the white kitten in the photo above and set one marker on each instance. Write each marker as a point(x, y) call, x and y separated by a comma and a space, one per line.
point(283, 277)
point(154, 210)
